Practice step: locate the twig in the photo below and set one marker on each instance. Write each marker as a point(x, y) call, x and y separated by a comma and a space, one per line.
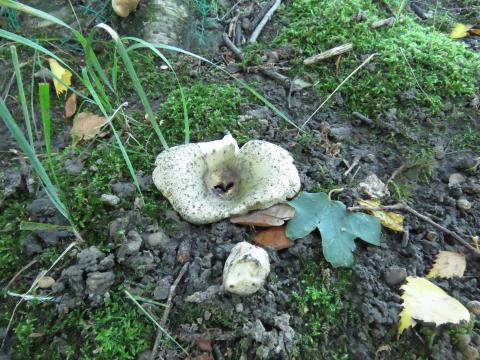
point(15, 277)
point(367, 60)
point(231, 9)
point(238, 32)
point(363, 118)
point(261, 14)
point(261, 25)
point(338, 50)
point(405, 207)
point(267, 72)
point(168, 308)
point(394, 175)
point(417, 10)
point(355, 162)
point(386, 22)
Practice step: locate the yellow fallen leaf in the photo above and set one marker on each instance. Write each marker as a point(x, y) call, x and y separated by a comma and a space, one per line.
point(390, 220)
point(448, 264)
point(425, 301)
point(460, 31)
point(61, 73)
point(87, 125)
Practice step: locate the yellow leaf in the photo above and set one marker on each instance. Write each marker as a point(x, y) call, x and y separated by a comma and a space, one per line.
point(460, 31)
point(390, 220)
point(60, 73)
point(425, 301)
point(448, 264)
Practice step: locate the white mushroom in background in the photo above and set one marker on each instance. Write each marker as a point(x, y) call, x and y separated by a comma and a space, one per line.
point(209, 181)
point(246, 269)
point(123, 8)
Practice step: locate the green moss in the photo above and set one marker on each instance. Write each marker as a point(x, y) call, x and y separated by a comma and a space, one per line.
point(11, 259)
point(212, 109)
point(409, 56)
point(321, 308)
point(115, 331)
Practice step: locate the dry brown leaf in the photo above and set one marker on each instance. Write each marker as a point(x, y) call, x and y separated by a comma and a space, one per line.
point(86, 126)
point(475, 31)
point(275, 215)
point(274, 238)
point(71, 106)
point(448, 264)
point(204, 344)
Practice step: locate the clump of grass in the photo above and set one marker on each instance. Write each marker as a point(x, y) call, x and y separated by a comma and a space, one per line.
point(411, 56)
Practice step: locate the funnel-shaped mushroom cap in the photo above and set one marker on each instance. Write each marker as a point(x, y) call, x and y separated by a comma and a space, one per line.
point(210, 181)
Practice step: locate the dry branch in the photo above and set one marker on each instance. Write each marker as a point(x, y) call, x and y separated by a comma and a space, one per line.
point(167, 310)
point(328, 54)
point(263, 22)
point(386, 22)
point(405, 207)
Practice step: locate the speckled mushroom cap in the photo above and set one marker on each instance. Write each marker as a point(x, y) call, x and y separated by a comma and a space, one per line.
point(210, 181)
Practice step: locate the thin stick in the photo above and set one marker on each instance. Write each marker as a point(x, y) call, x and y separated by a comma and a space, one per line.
point(15, 277)
point(394, 175)
point(338, 50)
point(402, 206)
point(367, 60)
point(261, 14)
point(261, 25)
point(168, 308)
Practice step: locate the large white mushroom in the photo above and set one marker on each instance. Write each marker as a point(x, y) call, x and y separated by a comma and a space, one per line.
point(209, 181)
point(246, 269)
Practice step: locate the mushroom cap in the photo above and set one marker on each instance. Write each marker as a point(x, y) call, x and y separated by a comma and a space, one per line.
point(246, 269)
point(124, 7)
point(210, 181)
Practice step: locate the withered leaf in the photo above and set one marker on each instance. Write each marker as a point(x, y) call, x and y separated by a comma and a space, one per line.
point(275, 215)
point(448, 264)
point(274, 238)
point(86, 126)
point(71, 106)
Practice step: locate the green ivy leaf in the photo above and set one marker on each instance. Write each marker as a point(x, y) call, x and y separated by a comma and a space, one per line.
point(338, 227)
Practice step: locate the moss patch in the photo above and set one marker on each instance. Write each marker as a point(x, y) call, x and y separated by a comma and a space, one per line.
point(410, 56)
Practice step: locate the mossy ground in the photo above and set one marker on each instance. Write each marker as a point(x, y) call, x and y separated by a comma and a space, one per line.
point(410, 55)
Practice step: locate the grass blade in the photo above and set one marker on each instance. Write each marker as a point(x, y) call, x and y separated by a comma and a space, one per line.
point(33, 226)
point(136, 81)
point(21, 94)
point(37, 165)
point(88, 84)
point(182, 94)
point(44, 95)
point(155, 322)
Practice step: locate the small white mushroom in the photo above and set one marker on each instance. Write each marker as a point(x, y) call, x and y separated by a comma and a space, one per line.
point(210, 181)
point(123, 8)
point(246, 269)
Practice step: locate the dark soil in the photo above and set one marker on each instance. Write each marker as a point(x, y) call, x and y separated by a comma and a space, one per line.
point(144, 255)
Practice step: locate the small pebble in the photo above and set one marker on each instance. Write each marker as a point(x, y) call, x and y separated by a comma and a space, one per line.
point(474, 307)
point(455, 179)
point(207, 315)
point(395, 275)
point(464, 204)
point(239, 307)
point(46, 282)
point(112, 200)
point(431, 236)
